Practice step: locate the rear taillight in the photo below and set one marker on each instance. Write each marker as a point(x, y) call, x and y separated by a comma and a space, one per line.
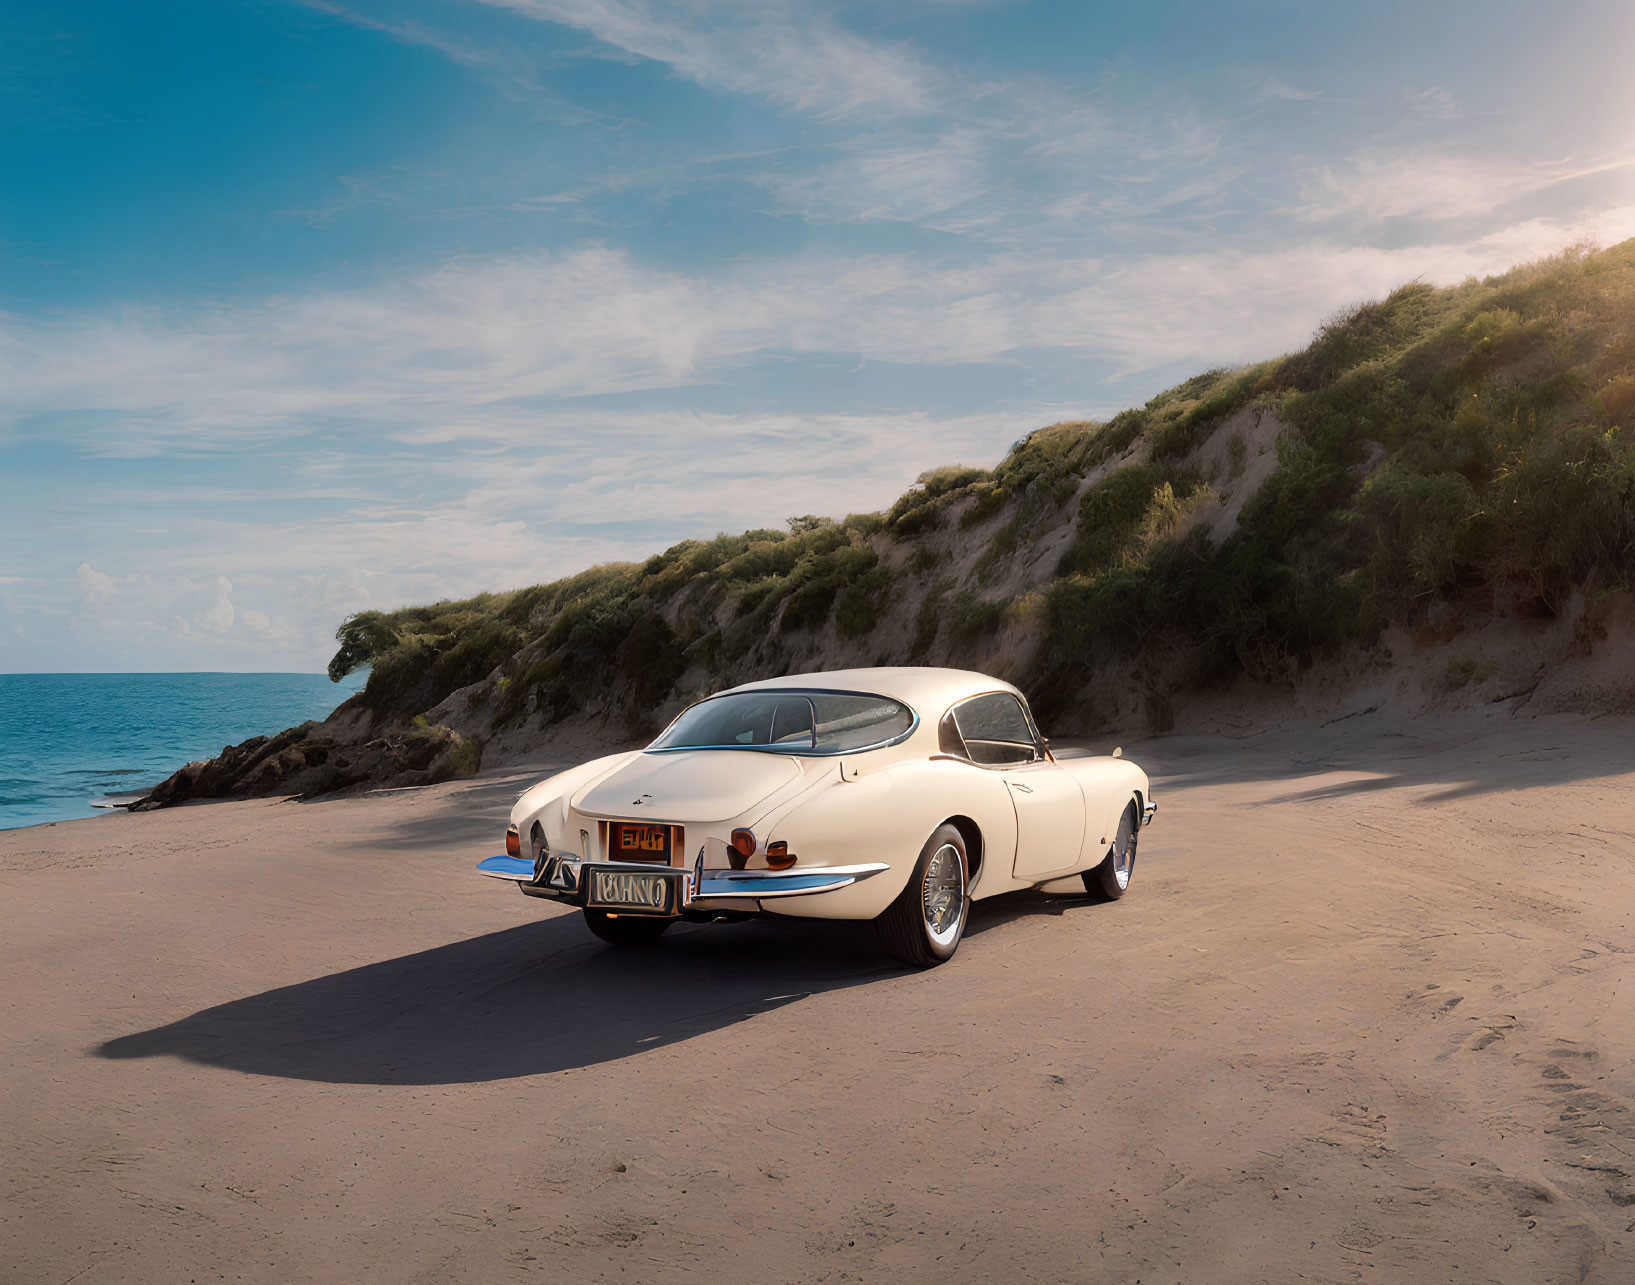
point(743, 842)
point(778, 856)
point(513, 842)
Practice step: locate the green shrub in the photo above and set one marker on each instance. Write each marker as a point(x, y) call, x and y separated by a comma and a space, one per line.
point(1563, 510)
point(1115, 437)
point(990, 501)
point(808, 607)
point(1417, 533)
point(1182, 434)
point(1109, 516)
point(1446, 442)
point(918, 520)
point(1497, 337)
point(752, 598)
point(1047, 455)
point(858, 610)
point(477, 652)
point(363, 636)
point(398, 677)
point(926, 505)
point(972, 620)
point(1363, 333)
point(465, 755)
point(817, 582)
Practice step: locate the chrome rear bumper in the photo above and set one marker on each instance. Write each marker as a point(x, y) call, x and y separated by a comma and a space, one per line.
point(503, 867)
point(563, 879)
point(1148, 811)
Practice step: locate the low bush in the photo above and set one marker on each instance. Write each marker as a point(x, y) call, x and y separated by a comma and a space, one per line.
point(858, 610)
point(363, 636)
point(973, 621)
point(926, 506)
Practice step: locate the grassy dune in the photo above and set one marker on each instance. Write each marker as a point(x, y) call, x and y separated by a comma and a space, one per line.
point(1467, 450)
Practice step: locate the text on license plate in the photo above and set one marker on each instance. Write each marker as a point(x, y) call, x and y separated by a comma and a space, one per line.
point(636, 890)
point(643, 838)
point(630, 841)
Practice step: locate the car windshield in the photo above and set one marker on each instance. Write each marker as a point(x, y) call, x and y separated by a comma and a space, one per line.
point(791, 722)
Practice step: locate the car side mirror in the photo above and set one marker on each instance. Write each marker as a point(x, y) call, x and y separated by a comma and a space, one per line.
point(1118, 751)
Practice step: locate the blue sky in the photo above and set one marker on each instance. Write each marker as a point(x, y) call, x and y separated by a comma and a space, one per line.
point(310, 307)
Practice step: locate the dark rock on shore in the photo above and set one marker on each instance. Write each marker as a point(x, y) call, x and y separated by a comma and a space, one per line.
point(318, 758)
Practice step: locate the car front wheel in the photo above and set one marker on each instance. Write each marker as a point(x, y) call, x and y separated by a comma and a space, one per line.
point(923, 926)
point(1111, 879)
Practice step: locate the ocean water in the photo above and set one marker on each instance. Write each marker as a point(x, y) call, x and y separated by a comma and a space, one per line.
point(73, 743)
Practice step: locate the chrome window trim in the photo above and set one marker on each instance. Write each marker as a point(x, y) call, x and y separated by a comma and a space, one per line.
point(804, 751)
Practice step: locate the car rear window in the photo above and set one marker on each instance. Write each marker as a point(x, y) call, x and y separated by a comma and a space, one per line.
point(791, 722)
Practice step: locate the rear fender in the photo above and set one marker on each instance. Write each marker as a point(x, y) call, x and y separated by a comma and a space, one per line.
point(547, 802)
point(887, 815)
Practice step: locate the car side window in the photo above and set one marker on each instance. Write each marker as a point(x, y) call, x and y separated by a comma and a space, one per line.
point(996, 730)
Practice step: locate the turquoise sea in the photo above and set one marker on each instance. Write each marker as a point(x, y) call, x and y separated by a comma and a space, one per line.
point(71, 743)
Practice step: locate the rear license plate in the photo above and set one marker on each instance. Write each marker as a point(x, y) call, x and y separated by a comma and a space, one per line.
point(631, 841)
point(633, 891)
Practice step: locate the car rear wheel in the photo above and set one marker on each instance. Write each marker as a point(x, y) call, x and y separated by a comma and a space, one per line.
point(924, 925)
point(626, 930)
point(1111, 879)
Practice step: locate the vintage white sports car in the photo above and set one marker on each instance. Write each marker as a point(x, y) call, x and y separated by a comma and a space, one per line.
point(896, 795)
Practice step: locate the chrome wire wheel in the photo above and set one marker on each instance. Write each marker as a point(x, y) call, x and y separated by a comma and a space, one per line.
point(942, 894)
point(925, 921)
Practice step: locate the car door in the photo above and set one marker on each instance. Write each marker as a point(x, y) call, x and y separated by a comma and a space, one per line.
point(998, 734)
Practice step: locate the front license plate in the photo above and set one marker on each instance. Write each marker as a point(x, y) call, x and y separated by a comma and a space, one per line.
point(635, 891)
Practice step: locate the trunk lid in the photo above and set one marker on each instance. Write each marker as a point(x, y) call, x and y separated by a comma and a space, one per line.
point(689, 785)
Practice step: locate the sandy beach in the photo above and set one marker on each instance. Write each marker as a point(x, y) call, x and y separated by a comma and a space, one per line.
point(1369, 1014)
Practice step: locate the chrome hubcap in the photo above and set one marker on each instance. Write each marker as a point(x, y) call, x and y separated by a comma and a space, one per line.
point(1124, 861)
point(942, 895)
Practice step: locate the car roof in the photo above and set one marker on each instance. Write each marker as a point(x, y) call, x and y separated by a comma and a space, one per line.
point(928, 690)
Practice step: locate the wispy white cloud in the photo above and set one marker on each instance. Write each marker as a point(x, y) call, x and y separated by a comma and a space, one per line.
point(1434, 103)
point(477, 345)
point(910, 179)
point(1271, 87)
point(507, 69)
point(1437, 184)
point(905, 138)
point(789, 53)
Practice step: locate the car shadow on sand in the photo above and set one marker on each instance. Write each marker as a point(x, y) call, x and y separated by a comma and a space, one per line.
point(542, 997)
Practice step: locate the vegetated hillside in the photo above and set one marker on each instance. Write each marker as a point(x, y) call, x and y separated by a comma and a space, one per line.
point(1441, 465)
